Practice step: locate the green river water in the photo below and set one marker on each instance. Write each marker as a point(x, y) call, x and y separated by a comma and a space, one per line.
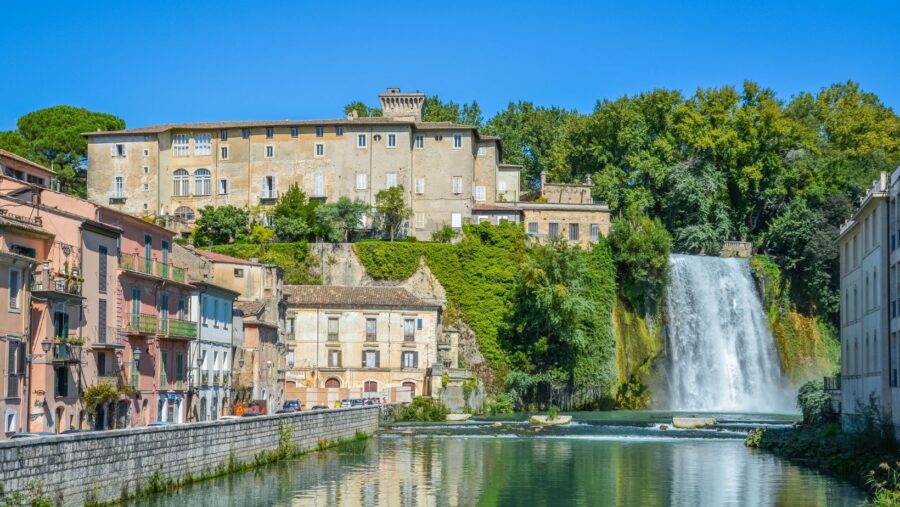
point(601, 459)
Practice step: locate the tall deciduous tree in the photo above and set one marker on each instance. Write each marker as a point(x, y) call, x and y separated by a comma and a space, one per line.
point(294, 217)
point(641, 247)
point(338, 219)
point(219, 225)
point(391, 211)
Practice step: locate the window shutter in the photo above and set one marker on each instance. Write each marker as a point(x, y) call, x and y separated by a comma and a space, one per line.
point(112, 150)
point(364, 365)
point(378, 359)
point(340, 362)
point(415, 359)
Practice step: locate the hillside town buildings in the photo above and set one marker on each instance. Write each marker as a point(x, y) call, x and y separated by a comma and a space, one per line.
point(869, 246)
point(450, 173)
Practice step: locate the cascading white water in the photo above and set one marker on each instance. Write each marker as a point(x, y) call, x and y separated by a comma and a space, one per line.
point(722, 356)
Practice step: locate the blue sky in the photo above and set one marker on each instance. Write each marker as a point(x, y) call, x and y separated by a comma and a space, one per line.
point(157, 62)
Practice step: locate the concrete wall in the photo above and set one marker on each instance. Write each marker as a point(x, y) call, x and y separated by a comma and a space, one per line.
point(100, 466)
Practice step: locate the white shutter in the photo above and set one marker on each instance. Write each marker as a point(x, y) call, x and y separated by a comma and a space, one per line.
point(112, 150)
point(456, 220)
point(263, 188)
point(420, 185)
point(501, 187)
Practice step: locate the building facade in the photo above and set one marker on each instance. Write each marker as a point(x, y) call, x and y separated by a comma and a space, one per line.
point(213, 307)
point(369, 339)
point(869, 298)
point(174, 170)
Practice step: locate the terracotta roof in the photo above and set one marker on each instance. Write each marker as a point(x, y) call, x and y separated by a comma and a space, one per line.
point(8, 155)
point(23, 225)
point(249, 308)
point(341, 297)
point(217, 257)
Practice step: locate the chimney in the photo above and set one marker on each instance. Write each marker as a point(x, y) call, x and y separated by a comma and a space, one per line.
point(353, 114)
point(400, 106)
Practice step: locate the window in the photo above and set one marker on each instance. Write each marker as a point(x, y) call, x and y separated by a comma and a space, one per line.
point(370, 386)
point(361, 141)
point(184, 214)
point(101, 268)
point(409, 330)
point(202, 144)
point(595, 232)
point(419, 324)
point(361, 183)
point(215, 314)
point(532, 228)
point(202, 182)
point(334, 358)
point(146, 169)
point(245, 133)
point(179, 369)
point(223, 152)
point(420, 185)
point(239, 272)
point(204, 306)
point(319, 185)
point(270, 151)
point(457, 141)
point(223, 135)
point(146, 152)
point(180, 145)
point(295, 132)
point(119, 187)
point(61, 385)
point(338, 131)
point(573, 232)
point(370, 359)
point(420, 142)
point(268, 188)
point(332, 329)
point(223, 186)
point(376, 137)
point(163, 366)
point(13, 365)
point(320, 131)
point(501, 187)
point(101, 321)
point(117, 150)
point(290, 328)
point(420, 220)
point(438, 138)
point(15, 289)
point(391, 180)
point(182, 308)
point(270, 132)
point(392, 140)
point(320, 149)
point(146, 187)
point(457, 185)
point(456, 220)
point(553, 229)
point(410, 359)
point(101, 364)
point(479, 193)
point(371, 329)
point(181, 179)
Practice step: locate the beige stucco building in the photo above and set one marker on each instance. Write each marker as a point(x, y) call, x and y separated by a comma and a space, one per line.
point(173, 170)
point(371, 340)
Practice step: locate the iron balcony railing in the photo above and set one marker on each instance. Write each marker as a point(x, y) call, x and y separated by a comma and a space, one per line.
point(832, 383)
point(66, 352)
point(143, 323)
point(151, 267)
point(176, 327)
point(109, 335)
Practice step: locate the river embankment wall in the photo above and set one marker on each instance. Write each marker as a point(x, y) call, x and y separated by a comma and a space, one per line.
point(103, 466)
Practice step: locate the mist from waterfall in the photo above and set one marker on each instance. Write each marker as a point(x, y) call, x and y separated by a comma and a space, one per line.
point(721, 353)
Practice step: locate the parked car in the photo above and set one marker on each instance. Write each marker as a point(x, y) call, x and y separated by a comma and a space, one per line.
point(291, 406)
point(354, 402)
point(318, 407)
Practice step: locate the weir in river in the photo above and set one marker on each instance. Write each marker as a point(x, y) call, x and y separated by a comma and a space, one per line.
point(721, 353)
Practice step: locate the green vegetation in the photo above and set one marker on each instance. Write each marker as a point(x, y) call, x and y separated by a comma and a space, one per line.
point(104, 391)
point(218, 225)
point(641, 248)
point(445, 234)
point(294, 215)
point(814, 402)
point(422, 409)
point(35, 497)
point(807, 345)
point(391, 211)
point(52, 137)
point(294, 258)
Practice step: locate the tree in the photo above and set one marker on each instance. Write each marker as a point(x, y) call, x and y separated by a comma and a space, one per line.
point(221, 225)
point(294, 216)
point(338, 219)
point(445, 234)
point(391, 211)
point(436, 110)
point(695, 208)
point(362, 110)
point(641, 248)
point(52, 137)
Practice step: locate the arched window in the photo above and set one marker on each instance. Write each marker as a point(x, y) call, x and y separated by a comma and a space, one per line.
point(182, 181)
point(370, 386)
point(202, 182)
point(184, 214)
point(333, 383)
point(412, 387)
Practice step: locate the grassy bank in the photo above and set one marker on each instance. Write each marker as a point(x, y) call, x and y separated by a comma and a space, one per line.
point(294, 258)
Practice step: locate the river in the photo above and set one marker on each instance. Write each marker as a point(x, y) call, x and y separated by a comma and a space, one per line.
point(622, 458)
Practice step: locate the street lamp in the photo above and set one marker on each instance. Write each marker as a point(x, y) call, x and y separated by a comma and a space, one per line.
point(200, 355)
point(46, 344)
point(241, 361)
point(136, 353)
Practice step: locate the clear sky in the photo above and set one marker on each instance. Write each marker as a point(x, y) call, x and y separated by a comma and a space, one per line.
point(158, 62)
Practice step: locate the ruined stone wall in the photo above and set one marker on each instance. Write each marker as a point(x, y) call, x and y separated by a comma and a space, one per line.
point(101, 466)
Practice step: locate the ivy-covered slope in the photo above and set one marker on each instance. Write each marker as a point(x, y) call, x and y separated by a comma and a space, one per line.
point(808, 347)
point(294, 259)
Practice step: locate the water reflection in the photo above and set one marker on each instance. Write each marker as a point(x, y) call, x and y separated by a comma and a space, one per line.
point(400, 470)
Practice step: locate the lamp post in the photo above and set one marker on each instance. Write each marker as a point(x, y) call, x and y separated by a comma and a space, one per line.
point(46, 344)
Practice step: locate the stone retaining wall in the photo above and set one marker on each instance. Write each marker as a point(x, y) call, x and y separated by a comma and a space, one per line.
point(101, 466)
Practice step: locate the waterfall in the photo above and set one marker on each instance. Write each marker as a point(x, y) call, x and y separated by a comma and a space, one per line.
point(721, 352)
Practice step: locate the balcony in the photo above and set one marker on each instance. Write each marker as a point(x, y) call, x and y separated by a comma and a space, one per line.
point(175, 328)
point(142, 323)
point(108, 337)
point(268, 194)
point(150, 267)
point(66, 352)
point(118, 195)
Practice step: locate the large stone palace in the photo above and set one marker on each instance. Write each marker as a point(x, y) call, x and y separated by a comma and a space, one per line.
point(449, 172)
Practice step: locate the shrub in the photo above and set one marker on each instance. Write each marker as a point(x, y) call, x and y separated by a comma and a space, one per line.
point(423, 409)
point(445, 234)
point(814, 402)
